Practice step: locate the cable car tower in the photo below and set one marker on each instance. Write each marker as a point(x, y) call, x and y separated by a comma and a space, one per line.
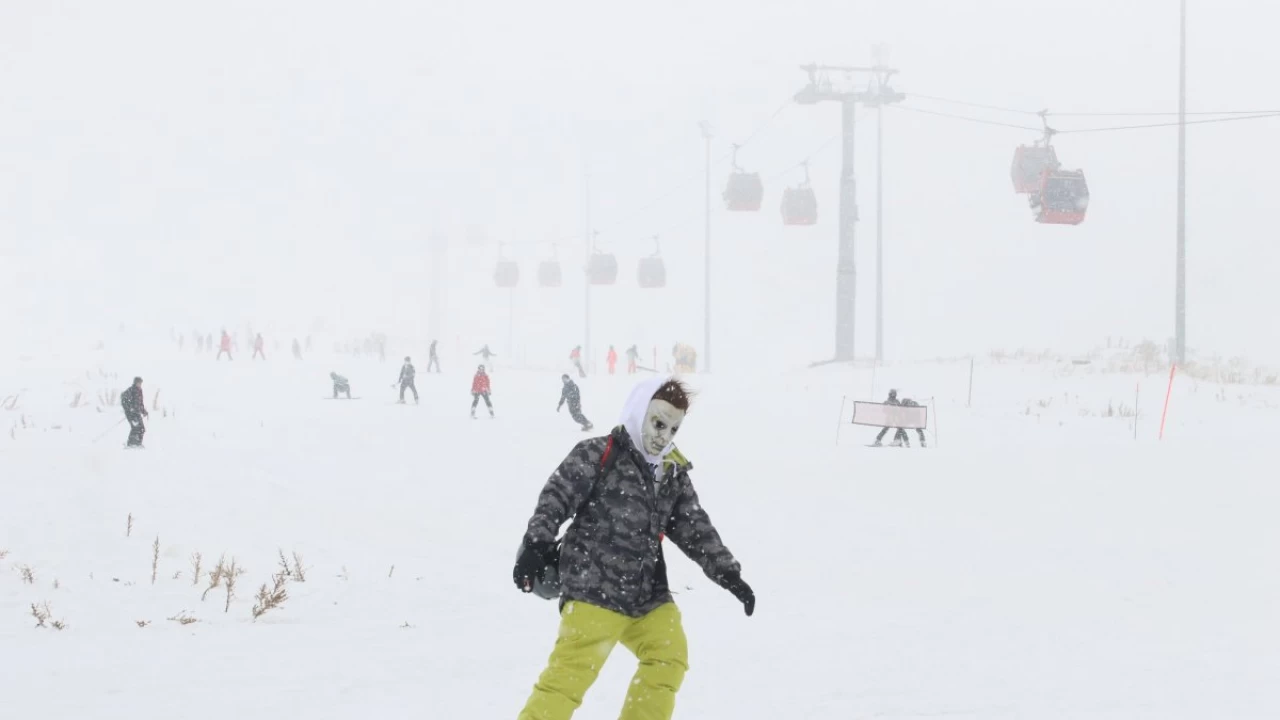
point(876, 92)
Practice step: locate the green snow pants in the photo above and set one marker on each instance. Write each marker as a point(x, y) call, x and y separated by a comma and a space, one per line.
point(587, 635)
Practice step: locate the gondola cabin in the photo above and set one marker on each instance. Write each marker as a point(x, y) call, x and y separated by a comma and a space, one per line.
point(1029, 163)
point(549, 273)
point(799, 206)
point(744, 192)
point(506, 274)
point(651, 272)
point(602, 269)
point(1063, 198)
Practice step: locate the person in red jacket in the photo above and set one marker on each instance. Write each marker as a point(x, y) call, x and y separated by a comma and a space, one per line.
point(612, 359)
point(576, 357)
point(480, 389)
point(224, 346)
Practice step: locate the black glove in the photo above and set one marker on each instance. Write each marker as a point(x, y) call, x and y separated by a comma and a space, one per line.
point(530, 564)
point(733, 583)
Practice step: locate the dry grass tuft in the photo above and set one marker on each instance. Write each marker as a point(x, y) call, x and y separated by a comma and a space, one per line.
point(28, 575)
point(4, 554)
point(196, 560)
point(270, 599)
point(183, 618)
point(58, 625)
point(142, 623)
point(299, 570)
point(155, 559)
point(229, 582)
point(128, 528)
point(215, 577)
point(40, 613)
point(391, 572)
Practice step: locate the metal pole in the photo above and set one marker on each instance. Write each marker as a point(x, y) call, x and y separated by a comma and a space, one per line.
point(586, 276)
point(1180, 302)
point(846, 263)
point(880, 233)
point(706, 280)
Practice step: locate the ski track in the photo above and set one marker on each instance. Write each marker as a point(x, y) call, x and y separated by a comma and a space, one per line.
point(1033, 562)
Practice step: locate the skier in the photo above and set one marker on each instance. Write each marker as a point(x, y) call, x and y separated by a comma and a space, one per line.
point(134, 410)
point(571, 395)
point(633, 358)
point(224, 346)
point(297, 350)
point(576, 357)
point(485, 353)
point(340, 385)
point(480, 389)
point(625, 491)
point(258, 345)
point(433, 359)
point(407, 374)
point(612, 359)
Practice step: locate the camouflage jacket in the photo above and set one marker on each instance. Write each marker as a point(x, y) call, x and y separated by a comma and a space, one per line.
point(612, 552)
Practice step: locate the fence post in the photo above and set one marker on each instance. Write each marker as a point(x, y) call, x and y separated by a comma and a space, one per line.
point(1164, 413)
point(969, 404)
point(840, 420)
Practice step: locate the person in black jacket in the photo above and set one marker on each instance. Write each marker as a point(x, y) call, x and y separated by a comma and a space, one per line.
point(134, 410)
point(407, 374)
point(571, 395)
point(623, 495)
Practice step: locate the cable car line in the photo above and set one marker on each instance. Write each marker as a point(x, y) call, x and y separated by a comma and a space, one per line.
point(980, 121)
point(1087, 114)
point(1205, 121)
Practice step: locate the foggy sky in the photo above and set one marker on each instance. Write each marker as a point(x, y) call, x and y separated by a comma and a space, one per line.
point(271, 162)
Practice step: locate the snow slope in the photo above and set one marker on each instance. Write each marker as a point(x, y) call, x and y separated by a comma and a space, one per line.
point(1035, 561)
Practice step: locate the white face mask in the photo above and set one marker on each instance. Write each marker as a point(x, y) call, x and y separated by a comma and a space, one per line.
point(661, 423)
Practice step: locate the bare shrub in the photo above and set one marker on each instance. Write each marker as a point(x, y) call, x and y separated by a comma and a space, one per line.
point(299, 570)
point(196, 560)
point(4, 554)
point(270, 599)
point(284, 565)
point(215, 577)
point(229, 582)
point(58, 625)
point(28, 575)
point(155, 559)
point(40, 613)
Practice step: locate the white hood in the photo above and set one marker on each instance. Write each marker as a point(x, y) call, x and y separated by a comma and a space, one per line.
point(634, 411)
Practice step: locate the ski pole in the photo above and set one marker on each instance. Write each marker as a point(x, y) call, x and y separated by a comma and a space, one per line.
point(113, 427)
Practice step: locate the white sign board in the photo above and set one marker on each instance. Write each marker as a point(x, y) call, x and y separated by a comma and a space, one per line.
point(894, 416)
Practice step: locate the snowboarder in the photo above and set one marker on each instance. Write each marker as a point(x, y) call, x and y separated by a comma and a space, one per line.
point(569, 394)
point(135, 409)
point(576, 357)
point(633, 358)
point(433, 360)
point(480, 389)
point(258, 346)
point(340, 385)
point(224, 347)
point(625, 491)
point(407, 374)
point(612, 359)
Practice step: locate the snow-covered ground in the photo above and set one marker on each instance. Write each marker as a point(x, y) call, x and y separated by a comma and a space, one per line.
point(1037, 561)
